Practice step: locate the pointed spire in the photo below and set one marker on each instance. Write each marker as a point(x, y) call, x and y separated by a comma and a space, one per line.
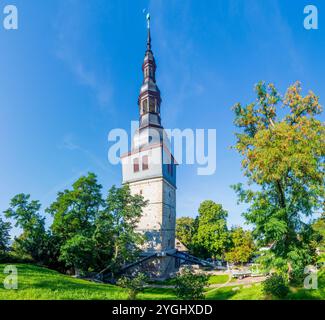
point(149, 35)
point(149, 99)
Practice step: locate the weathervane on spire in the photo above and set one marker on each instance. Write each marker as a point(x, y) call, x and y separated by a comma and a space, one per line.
point(148, 17)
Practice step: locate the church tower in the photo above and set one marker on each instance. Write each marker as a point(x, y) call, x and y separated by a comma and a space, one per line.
point(150, 170)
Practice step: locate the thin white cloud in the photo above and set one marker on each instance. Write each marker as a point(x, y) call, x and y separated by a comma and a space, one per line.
point(267, 16)
point(62, 186)
point(102, 90)
point(180, 80)
point(70, 144)
point(71, 26)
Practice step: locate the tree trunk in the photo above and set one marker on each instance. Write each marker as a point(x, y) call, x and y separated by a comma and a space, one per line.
point(281, 194)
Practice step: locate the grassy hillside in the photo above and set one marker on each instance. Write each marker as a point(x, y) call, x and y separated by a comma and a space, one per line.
point(36, 283)
point(227, 293)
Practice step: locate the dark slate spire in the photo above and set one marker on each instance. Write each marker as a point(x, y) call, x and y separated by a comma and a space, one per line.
point(149, 35)
point(149, 99)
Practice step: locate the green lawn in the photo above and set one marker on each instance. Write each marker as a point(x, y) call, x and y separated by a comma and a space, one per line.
point(217, 279)
point(227, 293)
point(255, 292)
point(36, 283)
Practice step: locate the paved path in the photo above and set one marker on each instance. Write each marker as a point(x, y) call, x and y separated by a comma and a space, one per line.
point(245, 281)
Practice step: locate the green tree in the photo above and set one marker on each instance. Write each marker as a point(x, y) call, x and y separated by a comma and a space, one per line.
point(134, 284)
point(283, 156)
point(26, 214)
point(78, 253)
point(186, 229)
point(75, 211)
point(212, 233)
point(242, 246)
point(190, 286)
point(4, 236)
point(319, 228)
point(93, 233)
point(115, 232)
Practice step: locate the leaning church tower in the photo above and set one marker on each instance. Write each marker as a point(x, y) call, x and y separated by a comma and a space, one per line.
point(150, 170)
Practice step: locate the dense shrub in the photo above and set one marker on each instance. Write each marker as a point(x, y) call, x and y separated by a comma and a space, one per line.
point(190, 286)
point(276, 286)
point(134, 285)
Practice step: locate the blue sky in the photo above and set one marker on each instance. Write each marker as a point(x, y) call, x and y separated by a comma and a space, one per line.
point(72, 72)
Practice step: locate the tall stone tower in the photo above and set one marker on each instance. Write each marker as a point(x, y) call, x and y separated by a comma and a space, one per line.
point(150, 170)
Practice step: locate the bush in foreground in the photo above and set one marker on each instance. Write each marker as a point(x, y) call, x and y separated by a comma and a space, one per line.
point(190, 286)
point(276, 286)
point(134, 285)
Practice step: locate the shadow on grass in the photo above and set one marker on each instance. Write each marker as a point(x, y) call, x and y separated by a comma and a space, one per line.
point(157, 294)
point(220, 294)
